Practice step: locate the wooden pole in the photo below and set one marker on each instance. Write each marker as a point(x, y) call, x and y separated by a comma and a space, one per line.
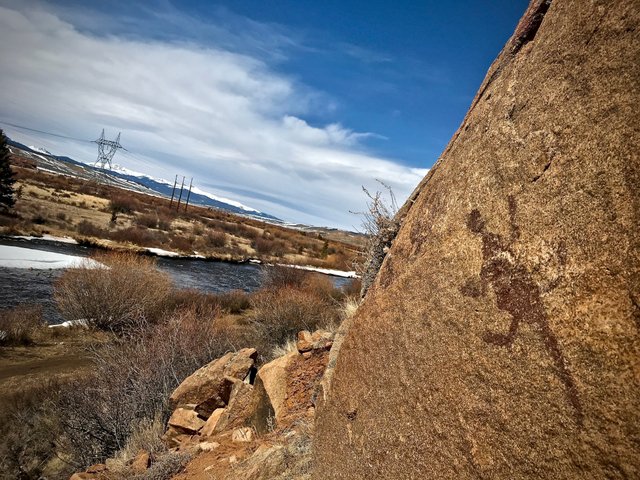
point(173, 192)
point(188, 195)
point(180, 197)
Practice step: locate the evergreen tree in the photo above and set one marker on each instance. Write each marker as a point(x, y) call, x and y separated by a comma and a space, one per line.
point(6, 176)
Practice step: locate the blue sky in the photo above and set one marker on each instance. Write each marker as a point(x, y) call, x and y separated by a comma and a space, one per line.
point(286, 106)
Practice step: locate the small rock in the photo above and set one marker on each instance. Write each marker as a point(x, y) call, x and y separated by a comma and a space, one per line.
point(186, 420)
point(233, 459)
point(208, 446)
point(97, 468)
point(307, 354)
point(244, 434)
point(304, 342)
point(174, 438)
point(209, 427)
point(141, 462)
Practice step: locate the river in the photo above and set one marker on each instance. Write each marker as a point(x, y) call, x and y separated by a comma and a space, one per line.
point(26, 286)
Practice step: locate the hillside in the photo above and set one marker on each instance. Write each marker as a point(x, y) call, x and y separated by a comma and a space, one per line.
point(124, 178)
point(116, 211)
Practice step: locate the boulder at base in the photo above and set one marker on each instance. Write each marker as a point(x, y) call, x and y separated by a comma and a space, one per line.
point(210, 387)
point(501, 337)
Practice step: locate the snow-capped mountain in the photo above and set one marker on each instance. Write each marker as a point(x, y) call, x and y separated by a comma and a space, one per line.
point(123, 177)
point(195, 191)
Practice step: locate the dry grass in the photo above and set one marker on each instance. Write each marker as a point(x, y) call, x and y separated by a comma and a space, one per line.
point(166, 467)
point(29, 430)
point(146, 435)
point(349, 307)
point(287, 347)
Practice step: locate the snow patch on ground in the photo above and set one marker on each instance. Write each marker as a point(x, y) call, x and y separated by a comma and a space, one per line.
point(71, 323)
point(48, 238)
point(19, 257)
point(326, 271)
point(162, 253)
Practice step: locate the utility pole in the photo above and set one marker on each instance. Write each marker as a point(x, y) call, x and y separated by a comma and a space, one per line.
point(180, 197)
point(173, 192)
point(106, 150)
point(188, 195)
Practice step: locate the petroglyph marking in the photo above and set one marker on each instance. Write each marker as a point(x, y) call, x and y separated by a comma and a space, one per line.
point(519, 295)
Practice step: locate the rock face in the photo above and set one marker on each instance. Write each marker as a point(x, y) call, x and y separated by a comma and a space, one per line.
point(501, 337)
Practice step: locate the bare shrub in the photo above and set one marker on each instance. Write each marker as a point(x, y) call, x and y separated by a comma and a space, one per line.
point(263, 246)
point(279, 276)
point(39, 219)
point(234, 301)
point(208, 305)
point(123, 203)
point(138, 236)
point(89, 229)
point(131, 383)
point(184, 244)
point(205, 305)
point(281, 313)
point(247, 232)
point(381, 227)
point(353, 288)
point(19, 325)
point(216, 239)
point(322, 286)
point(164, 222)
point(148, 220)
point(129, 291)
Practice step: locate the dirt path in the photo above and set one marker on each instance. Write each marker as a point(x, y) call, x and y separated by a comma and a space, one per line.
point(22, 368)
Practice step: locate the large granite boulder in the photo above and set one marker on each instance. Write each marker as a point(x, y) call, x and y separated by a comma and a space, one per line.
point(501, 337)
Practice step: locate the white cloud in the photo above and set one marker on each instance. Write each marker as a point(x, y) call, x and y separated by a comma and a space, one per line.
point(228, 119)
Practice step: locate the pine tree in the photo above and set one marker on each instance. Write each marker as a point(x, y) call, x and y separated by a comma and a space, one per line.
point(6, 176)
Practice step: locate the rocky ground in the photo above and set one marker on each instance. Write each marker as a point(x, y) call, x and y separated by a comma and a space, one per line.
point(231, 420)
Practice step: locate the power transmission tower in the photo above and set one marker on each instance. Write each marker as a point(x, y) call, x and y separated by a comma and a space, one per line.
point(106, 150)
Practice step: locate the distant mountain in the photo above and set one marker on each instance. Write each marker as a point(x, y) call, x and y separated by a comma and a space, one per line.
point(125, 178)
point(165, 187)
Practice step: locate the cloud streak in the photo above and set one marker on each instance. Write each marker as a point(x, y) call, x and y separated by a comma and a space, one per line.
point(229, 119)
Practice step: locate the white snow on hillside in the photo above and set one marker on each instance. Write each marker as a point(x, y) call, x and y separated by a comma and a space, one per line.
point(41, 150)
point(19, 257)
point(224, 200)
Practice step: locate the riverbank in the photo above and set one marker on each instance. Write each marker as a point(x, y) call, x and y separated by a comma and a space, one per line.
point(20, 259)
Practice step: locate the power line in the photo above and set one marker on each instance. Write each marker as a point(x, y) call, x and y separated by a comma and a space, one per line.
point(22, 127)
